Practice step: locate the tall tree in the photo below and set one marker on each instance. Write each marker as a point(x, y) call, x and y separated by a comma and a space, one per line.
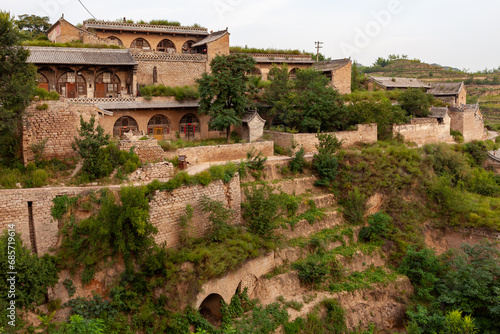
point(223, 91)
point(416, 102)
point(307, 103)
point(275, 94)
point(32, 25)
point(17, 81)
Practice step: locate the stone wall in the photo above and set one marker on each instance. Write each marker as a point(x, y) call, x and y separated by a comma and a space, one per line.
point(366, 133)
point(147, 150)
point(161, 171)
point(173, 70)
point(222, 152)
point(40, 231)
point(58, 124)
point(166, 209)
point(341, 79)
point(424, 131)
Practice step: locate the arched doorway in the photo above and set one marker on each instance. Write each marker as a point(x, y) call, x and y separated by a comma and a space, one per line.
point(210, 309)
point(125, 124)
point(293, 72)
point(116, 39)
point(42, 81)
point(106, 86)
point(249, 282)
point(140, 44)
point(159, 126)
point(188, 47)
point(189, 126)
point(72, 85)
point(166, 45)
point(255, 72)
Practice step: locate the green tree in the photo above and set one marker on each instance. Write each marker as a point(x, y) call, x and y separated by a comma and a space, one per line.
point(416, 102)
point(33, 26)
point(383, 113)
point(223, 91)
point(275, 95)
point(17, 81)
point(307, 103)
point(325, 161)
point(91, 139)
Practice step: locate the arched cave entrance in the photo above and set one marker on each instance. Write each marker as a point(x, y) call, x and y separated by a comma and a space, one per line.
point(210, 309)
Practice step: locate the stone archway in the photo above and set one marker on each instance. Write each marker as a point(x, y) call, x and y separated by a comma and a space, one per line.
point(125, 124)
point(248, 282)
point(210, 309)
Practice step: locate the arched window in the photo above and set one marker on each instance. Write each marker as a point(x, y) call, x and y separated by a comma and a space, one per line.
point(116, 39)
point(166, 45)
point(255, 72)
point(107, 86)
point(141, 44)
point(189, 126)
point(293, 72)
point(158, 126)
point(72, 85)
point(187, 47)
point(211, 308)
point(125, 124)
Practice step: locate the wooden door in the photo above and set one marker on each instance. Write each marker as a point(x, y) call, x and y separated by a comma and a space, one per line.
point(158, 134)
point(100, 90)
point(70, 90)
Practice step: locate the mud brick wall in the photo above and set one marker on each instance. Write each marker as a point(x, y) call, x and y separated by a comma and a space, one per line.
point(58, 124)
point(166, 209)
point(423, 131)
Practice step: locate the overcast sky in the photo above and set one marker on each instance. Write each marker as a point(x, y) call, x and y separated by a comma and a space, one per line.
point(456, 33)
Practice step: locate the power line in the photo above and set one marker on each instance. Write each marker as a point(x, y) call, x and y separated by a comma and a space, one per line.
point(318, 46)
point(87, 10)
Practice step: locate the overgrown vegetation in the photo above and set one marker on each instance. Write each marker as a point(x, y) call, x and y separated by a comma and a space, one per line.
point(180, 93)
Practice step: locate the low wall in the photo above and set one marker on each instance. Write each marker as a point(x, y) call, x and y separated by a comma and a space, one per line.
point(30, 211)
point(222, 152)
point(424, 131)
point(366, 133)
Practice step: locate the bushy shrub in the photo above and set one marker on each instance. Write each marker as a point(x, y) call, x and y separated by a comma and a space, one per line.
point(205, 178)
point(354, 207)
point(312, 270)
point(379, 228)
point(39, 178)
point(298, 162)
point(325, 162)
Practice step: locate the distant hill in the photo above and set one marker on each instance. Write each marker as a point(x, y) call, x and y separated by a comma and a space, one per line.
point(415, 69)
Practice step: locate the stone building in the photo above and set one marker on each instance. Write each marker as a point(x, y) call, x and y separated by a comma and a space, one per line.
point(85, 72)
point(453, 93)
point(468, 120)
point(252, 127)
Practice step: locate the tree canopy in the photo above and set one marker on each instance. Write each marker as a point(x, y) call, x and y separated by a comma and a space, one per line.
point(223, 91)
point(33, 26)
point(305, 102)
point(17, 81)
point(416, 102)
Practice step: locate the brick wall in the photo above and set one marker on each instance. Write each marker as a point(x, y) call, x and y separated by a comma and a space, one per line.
point(175, 72)
point(147, 150)
point(166, 208)
point(468, 121)
point(341, 79)
point(59, 124)
point(222, 152)
point(366, 133)
point(424, 131)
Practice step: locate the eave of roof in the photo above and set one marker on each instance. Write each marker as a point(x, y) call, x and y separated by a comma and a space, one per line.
point(123, 26)
point(80, 56)
point(148, 105)
point(211, 38)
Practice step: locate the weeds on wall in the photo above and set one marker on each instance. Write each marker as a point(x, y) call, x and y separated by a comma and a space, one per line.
point(180, 93)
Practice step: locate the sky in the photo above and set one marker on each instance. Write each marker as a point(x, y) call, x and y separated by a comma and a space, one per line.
point(458, 33)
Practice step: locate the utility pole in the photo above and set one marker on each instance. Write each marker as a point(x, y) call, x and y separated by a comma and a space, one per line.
point(318, 46)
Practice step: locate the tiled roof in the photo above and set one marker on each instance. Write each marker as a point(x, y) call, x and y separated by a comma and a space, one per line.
point(211, 38)
point(79, 56)
point(446, 88)
point(391, 82)
point(331, 64)
point(249, 116)
point(144, 27)
point(438, 112)
point(148, 105)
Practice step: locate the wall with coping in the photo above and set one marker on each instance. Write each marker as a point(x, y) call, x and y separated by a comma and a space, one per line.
point(424, 131)
point(366, 133)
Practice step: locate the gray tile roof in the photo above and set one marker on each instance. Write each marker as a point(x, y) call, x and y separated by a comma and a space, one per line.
point(438, 112)
point(391, 82)
point(148, 105)
point(79, 56)
point(144, 27)
point(331, 64)
point(211, 38)
point(446, 88)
